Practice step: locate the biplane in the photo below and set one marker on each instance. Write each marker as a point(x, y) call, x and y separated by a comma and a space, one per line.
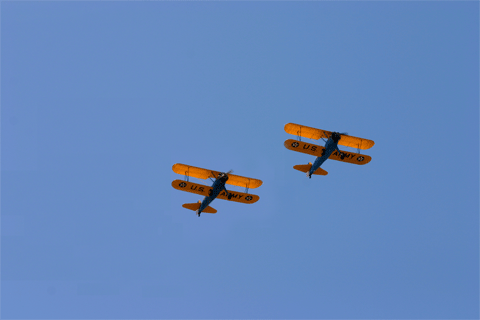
point(217, 190)
point(330, 151)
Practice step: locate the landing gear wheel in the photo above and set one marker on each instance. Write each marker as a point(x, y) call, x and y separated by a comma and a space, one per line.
point(210, 192)
point(323, 152)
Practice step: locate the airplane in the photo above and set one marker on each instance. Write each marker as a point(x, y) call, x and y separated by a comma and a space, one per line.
point(330, 151)
point(217, 190)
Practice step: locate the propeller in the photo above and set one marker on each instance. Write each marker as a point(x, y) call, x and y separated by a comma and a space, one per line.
point(220, 174)
point(224, 175)
point(337, 135)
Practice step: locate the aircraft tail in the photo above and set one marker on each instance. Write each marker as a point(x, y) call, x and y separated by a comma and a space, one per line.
point(196, 205)
point(306, 168)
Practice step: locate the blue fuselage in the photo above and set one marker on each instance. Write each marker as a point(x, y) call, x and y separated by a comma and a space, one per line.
point(217, 187)
point(330, 147)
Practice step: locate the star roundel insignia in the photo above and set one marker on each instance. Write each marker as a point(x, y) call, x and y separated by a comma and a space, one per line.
point(248, 198)
point(360, 158)
point(295, 144)
point(182, 185)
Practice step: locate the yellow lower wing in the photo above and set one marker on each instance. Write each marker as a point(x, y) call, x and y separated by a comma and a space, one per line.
point(239, 197)
point(203, 190)
point(304, 147)
point(316, 150)
point(351, 157)
point(190, 187)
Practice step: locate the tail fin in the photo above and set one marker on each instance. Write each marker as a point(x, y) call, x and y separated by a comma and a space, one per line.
point(306, 168)
point(196, 205)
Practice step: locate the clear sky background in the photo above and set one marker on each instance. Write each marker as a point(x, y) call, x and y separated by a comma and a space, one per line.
point(100, 99)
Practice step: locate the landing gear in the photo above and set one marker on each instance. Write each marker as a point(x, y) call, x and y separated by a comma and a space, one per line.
point(323, 152)
point(210, 192)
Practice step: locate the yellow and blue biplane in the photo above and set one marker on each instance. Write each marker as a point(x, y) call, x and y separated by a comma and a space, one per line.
point(217, 190)
point(330, 151)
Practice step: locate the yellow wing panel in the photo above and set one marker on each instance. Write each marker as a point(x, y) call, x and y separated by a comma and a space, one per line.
point(191, 187)
point(201, 173)
point(313, 133)
point(203, 190)
point(316, 150)
point(304, 147)
point(306, 132)
point(351, 157)
point(354, 142)
point(191, 171)
point(239, 197)
point(244, 182)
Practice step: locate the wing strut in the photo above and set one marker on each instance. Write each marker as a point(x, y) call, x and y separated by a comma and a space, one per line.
point(247, 185)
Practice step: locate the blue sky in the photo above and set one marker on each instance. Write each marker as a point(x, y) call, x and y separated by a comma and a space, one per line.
point(100, 99)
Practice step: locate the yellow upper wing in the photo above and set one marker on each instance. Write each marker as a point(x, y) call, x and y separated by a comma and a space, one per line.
point(191, 171)
point(313, 133)
point(240, 181)
point(354, 142)
point(201, 173)
point(306, 132)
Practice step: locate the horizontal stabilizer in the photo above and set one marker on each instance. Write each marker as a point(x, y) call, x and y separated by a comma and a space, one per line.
point(306, 168)
point(195, 206)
